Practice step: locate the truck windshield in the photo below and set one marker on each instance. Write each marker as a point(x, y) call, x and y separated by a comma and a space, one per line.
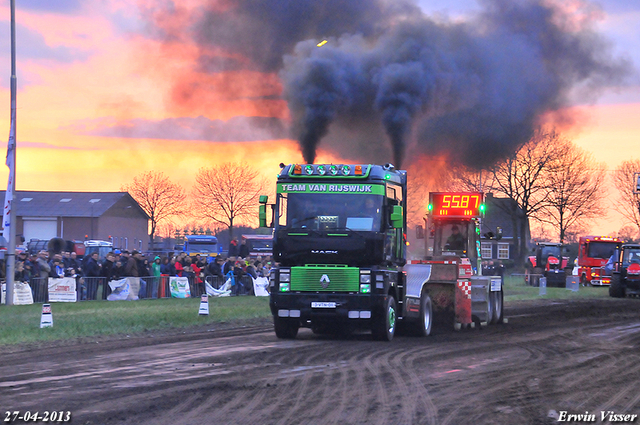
point(326, 211)
point(631, 256)
point(202, 247)
point(550, 250)
point(601, 249)
point(451, 238)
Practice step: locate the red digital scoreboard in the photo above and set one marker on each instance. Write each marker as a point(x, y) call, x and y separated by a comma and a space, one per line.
point(456, 204)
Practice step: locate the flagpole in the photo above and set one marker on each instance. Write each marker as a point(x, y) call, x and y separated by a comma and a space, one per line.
point(11, 162)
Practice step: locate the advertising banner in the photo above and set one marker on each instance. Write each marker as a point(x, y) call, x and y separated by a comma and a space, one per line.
point(179, 287)
point(62, 290)
point(124, 289)
point(21, 293)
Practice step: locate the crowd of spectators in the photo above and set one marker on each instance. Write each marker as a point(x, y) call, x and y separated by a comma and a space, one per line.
point(122, 263)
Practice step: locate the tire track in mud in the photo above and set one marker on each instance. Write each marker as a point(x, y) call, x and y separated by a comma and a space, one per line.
point(504, 375)
point(415, 394)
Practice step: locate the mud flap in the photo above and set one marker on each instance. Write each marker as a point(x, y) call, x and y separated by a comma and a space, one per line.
point(463, 302)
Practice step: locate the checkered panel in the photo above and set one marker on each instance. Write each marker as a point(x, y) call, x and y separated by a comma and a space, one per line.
point(465, 286)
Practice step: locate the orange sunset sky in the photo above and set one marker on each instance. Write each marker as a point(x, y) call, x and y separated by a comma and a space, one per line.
point(91, 73)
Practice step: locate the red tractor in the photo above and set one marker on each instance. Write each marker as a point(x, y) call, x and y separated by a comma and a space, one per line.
point(548, 262)
point(625, 279)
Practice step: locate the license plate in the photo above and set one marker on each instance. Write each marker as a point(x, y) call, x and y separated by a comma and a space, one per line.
point(323, 305)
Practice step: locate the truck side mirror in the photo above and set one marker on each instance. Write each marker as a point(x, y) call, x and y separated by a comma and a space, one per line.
point(262, 211)
point(419, 232)
point(396, 217)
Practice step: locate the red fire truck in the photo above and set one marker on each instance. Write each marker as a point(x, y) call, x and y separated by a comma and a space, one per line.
point(593, 253)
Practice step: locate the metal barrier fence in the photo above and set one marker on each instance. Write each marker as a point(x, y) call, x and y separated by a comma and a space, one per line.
point(97, 288)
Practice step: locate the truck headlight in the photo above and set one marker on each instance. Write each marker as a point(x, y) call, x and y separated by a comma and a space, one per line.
point(365, 288)
point(285, 277)
point(284, 287)
point(365, 278)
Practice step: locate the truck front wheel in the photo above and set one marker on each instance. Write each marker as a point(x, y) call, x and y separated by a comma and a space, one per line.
point(384, 327)
point(615, 289)
point(285, 328)
point(426, 316)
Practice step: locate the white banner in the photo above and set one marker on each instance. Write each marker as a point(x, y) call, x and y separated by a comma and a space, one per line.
point(124, 289)
point(260, 286)
point(179, 287)
point(62, 290)
point(21, 293)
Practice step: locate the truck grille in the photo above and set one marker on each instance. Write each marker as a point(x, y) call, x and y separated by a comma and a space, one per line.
point(325, 279)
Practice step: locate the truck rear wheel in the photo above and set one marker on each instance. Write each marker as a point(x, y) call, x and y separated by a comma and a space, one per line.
point(497, 299)
point(616, 289)
point(285, 328)
point(384, 327)
point(423, 327)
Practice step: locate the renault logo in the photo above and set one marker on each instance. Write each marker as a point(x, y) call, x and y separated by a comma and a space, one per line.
point(324, 281)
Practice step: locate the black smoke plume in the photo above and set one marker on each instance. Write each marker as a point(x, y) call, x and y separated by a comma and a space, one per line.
point(473, 90)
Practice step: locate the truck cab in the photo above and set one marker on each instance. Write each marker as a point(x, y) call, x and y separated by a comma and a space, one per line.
point(339, 243)
point(593, 253)
point(454, 221)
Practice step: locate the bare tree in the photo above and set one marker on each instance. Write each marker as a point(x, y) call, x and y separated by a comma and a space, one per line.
point(423, 176)
point(522, 177)
point(627, 233)
point(466, 179)
point(158, 197)
point(228, 193)
point(574, 189)
point(628, 201)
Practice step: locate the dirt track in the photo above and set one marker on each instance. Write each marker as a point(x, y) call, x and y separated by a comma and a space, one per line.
point(552, 356)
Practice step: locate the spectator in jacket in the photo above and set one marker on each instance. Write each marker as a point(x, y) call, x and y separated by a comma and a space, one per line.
point(243, 250)
point(233, 247)
point(109, 270)
point(167, 266)
point(131, 266)
point(57, 269)
point(228, 266)
point(92, 273)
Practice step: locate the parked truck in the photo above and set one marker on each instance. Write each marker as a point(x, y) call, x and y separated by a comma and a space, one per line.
point(340, 247)
point(204, 245)
point(593, 253)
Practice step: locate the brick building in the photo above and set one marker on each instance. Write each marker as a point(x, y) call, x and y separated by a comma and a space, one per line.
point(81, 215)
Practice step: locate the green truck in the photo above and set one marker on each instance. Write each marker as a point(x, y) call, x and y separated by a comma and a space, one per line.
point(339, 242)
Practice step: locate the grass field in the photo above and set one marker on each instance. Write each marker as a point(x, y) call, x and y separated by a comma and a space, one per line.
point(21, 324)
point(515, 289)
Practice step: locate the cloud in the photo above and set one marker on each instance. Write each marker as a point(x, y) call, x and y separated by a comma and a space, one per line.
point(31, 45)
point(473, 90)
point(262, 31)
point(59, 6)
point(236, 129)
point(23, 144)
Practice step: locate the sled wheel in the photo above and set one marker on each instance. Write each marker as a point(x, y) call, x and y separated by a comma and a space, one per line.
point(423, 327)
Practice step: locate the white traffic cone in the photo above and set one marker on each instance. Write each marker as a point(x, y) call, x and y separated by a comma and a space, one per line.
point(204, 305)
point(46, 320)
